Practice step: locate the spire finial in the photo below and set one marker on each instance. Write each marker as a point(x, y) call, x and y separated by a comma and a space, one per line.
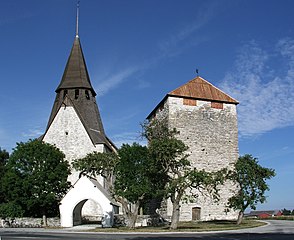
point(197, 72)
point(77, 24)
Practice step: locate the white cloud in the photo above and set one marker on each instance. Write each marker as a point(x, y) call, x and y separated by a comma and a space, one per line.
point(266, 94)
point(115, 79)
point(169, 47)
point(33, 133)
point(127, 137)
point(178, 42)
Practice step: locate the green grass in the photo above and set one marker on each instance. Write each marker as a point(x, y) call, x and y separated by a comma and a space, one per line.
point(190, 227)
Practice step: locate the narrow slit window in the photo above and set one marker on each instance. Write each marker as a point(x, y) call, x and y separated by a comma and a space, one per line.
point(87, 94)
point(64, 93)
point(77, 92)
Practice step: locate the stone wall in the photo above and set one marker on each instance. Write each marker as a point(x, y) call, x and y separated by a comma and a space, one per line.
point(69, 135)
point(212, 136)
point(29, 222)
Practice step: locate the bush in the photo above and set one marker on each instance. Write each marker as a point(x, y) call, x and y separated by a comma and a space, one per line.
point(11, 209)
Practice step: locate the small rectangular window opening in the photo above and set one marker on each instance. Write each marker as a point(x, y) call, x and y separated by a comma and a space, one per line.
point(217, 105)
point(189, 102)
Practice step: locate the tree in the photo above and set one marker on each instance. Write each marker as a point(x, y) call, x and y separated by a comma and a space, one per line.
point(4, 155)
point(132, 183)
point(36, 178)
point(130, 167)
point(286, 212)
point(251, 178)
point(96, 163)
point(170, 159)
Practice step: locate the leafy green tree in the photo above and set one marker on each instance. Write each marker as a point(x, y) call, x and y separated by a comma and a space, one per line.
point(4, 155)
point(11, 209)
point(132, 183)
point(36, 178)
point(170, 159)
point(286, 212)
point(130, 168)
point(251, 178)
point(96, 163)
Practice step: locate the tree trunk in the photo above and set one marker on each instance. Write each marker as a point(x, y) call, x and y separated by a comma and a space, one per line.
point(175, 215)
point(240, 217)
point(44, 221)
point(132, 216)
point(130, 211)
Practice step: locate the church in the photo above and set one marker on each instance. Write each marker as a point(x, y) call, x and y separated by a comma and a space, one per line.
point(75, 127)
point(205, 116)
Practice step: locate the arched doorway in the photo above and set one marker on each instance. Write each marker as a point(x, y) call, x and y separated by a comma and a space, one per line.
point(77, 213)
point(87, 211)
point(85, 189)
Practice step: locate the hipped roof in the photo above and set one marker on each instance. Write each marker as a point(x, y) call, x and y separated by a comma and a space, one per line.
point(200, 89)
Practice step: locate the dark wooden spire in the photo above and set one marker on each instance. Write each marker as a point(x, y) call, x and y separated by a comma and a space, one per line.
point(75, 90)
point(76, 74)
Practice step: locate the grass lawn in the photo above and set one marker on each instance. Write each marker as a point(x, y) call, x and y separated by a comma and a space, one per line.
point(190, 227)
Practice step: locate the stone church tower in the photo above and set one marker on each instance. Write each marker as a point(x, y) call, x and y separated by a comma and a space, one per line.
point(206, 118)
point(75, 125)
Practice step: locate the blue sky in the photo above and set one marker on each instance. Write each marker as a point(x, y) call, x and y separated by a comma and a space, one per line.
point(139, 50)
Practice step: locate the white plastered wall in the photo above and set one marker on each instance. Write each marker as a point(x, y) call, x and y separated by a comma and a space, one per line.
point(83, 190)
point(69, 135)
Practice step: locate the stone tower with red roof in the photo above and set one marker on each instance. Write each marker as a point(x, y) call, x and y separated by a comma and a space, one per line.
point(206, 119)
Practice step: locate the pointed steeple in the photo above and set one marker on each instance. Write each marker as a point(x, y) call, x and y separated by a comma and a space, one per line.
point(76, 74)
point(75, 90)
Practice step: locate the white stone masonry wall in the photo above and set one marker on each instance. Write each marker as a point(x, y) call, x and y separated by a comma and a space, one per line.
point(212, 137)
point(69, 135)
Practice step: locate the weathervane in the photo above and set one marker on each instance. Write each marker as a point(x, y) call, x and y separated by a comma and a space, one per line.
point(197, 72)
point(77, 26)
